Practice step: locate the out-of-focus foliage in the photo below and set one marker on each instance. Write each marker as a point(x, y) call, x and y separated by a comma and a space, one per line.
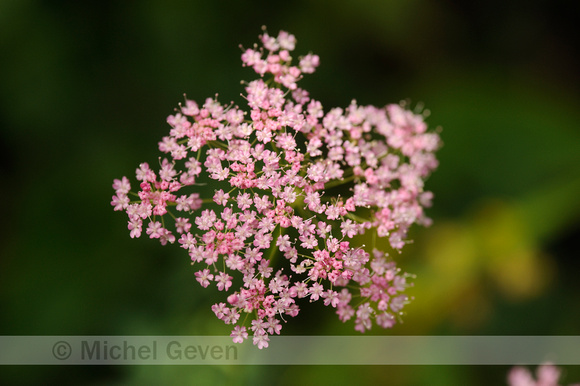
point(84, 91)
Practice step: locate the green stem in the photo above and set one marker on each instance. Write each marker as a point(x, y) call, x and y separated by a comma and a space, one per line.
point(356, 218)
point(274, 248)
point(340, 182)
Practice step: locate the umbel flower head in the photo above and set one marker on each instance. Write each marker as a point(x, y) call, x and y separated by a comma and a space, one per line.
point(276, 202)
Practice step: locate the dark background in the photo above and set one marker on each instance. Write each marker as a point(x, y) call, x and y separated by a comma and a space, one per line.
point(85, 88)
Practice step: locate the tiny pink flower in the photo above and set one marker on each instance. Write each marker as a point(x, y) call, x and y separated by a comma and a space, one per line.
point(261, 340)
point(154, 230)
point(135, 228)
point(122, 186)
point(182, 225)
point(309, 63)
point(204, 277)
point(224, 281)
point(120, 202)
point(239, 334)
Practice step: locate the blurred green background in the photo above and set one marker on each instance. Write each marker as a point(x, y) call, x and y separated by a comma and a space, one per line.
point(85, 88)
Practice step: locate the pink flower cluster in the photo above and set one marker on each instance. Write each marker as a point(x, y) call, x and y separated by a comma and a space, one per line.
point(274, 204)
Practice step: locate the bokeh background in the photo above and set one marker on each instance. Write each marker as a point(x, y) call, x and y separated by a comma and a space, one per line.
point(85, 88)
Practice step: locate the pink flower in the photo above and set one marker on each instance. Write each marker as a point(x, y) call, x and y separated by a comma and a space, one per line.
point(309, 63)
point(239, 334)
point(135, 227)
point(224, 281)
point(547, 375)
point(271, 173)
point(182, 225)
point(330, 298)
point(286, 41)
point(261, 341)
point(220, 197)
point(348, 228)
point(154, 230)
point(122, 186)
point(315, 291)
point(120, 202)
point(206, 220)
point(203, 277)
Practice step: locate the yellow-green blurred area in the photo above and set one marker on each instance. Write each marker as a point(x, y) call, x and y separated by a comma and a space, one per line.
point(85, 88)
